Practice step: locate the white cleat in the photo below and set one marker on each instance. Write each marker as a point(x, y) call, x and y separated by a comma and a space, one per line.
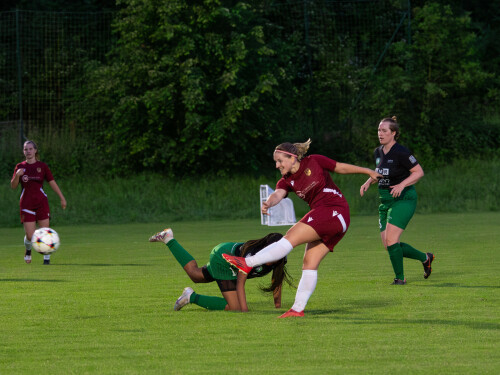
point(183, 300)
point(164, 236)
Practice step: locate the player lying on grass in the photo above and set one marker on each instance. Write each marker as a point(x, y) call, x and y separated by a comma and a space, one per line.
point(231, 282)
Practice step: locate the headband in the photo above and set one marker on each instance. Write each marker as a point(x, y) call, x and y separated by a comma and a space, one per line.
point(285, 152)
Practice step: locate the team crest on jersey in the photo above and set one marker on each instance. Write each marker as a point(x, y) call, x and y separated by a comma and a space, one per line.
point(412, 159)
point(307, 172)
point(377, 162)
point(39, 170)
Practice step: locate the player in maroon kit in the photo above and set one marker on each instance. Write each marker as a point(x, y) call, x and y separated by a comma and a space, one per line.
point(321, 228)
point(34, 204)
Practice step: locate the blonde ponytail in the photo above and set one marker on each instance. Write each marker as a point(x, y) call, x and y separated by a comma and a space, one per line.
point(299, 150)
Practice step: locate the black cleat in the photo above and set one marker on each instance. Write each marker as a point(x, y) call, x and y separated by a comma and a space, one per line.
point(46, 261)
point(427, 265)
point(399, 282)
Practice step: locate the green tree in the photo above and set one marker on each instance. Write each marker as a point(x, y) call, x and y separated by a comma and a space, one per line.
point(437, 87)
point(189, 87)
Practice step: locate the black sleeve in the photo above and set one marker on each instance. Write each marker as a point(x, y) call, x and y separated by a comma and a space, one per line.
point(406, 158)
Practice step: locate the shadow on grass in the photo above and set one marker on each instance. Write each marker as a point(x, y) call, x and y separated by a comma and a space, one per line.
point(352, 306)
point(33, 280)
point(455, 285)
point(426, 323)
point(101, 265)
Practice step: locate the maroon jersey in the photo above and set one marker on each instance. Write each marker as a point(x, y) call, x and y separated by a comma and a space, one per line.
point(329, 215)
point(32, 183)
point(313, 183)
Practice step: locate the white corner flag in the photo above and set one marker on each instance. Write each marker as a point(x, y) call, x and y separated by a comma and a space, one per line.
point(281, 214)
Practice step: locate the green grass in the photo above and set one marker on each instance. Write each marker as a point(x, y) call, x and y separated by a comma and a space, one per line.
point(105, 305)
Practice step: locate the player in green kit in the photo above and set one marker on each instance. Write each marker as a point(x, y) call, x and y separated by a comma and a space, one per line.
point(231, 282)
point(398, 197)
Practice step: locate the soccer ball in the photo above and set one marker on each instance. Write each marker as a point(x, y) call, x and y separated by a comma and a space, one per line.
point(45, 240)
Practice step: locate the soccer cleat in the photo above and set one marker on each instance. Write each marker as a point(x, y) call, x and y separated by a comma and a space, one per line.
point(238, 262)
point(183, 300)
point(46, 261)
point(399, 282)
point(27, 256)
point(292, 313)
point(164, 236)
point(427, 265)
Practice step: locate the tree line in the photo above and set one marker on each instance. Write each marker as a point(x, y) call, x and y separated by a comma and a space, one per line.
point(210, 87)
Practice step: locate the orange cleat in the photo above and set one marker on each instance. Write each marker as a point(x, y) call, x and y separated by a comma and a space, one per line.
point(292, 313)
point(238, 262)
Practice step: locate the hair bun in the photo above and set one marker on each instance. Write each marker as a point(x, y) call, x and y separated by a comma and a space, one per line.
point(394, 118)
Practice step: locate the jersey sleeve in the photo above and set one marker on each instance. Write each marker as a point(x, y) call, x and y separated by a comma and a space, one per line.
point(324, 162)
point(407, 160)
point(15, 170)
point(48, 174)
point(281, 184)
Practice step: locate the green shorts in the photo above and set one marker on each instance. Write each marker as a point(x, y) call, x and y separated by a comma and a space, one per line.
point(217, 266)
point(397, 211)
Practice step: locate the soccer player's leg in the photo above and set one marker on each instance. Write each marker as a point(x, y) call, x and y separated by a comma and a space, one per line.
point(402, 212)
point(29, 224)
point(44, 222)
point(390, 238)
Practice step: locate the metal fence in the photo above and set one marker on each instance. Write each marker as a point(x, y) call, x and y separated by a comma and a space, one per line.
point(43, 56)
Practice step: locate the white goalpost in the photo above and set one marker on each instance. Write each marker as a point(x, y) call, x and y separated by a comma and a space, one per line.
point(281, 214)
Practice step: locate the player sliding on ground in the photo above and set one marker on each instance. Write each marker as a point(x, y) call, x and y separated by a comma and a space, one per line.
point(231, 282)
point(320, 229)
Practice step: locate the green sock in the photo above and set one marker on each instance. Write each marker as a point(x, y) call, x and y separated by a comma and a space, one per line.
point(208, 302)
point(180, 254)
point(411, 252)
point(396, 255)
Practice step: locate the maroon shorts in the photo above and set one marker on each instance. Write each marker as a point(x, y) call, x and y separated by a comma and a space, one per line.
point(33, 214)
point(330, 222)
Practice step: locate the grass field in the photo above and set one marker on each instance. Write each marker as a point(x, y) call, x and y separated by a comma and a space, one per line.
point(105, 305)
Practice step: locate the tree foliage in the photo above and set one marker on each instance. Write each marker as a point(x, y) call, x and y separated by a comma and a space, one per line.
point(209, 87)
point(438, 88)
point(189, 86)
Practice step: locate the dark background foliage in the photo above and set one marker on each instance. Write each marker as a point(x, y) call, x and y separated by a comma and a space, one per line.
point(211, 87)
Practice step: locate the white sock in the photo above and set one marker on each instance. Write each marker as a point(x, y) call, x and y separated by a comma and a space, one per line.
point(270, 253)
point(27, 244)
point(305, 289)
point(46, 257)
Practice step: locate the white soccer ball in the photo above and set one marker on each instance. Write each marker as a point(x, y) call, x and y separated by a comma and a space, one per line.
point(45, 240)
